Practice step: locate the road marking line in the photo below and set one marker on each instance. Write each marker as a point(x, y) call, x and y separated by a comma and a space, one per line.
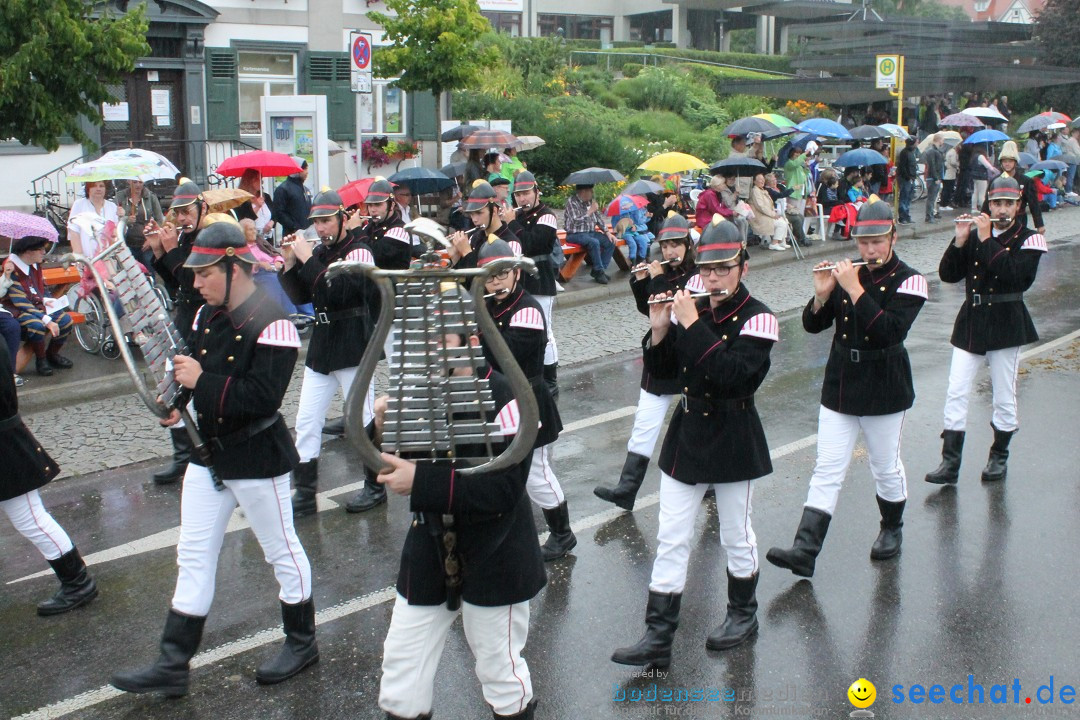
point(1052, 345)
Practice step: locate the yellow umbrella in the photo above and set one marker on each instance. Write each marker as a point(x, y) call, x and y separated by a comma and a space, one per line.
point(672, 162)
point(224, 199)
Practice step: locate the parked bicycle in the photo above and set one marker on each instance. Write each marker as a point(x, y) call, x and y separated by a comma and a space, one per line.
point(48, 206)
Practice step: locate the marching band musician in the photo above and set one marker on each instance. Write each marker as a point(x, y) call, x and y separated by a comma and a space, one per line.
point(495, 570)
point(536, 226)
point(521, 322)
point(868, 384)
point(27, 467)
point(997, 257)
point(171, 244)
point(390, 244)
point(719, 350)
point(243, 353)
point(482, 208)
point(656, 394)
point(343, 325)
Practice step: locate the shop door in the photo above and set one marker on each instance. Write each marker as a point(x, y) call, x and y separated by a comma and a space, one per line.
point(149, 115)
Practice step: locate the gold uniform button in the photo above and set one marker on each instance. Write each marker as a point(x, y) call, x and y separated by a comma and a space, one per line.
point(882, 288)
point(843, 337)
point(206, 331)
point(239, 338)
point(724, 337)
point(686, 389)
point(735, 318)
point(866, 338)
point(221, 420)
point(47, 468)
point(229, 359)
point(976, 263)
point(39, 449)
point(974, 277)
point(203, 351)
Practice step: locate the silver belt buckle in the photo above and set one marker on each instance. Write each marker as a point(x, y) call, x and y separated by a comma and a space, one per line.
point(976, 299)
point(683, 402)
point(855, 355)
point(322, 318)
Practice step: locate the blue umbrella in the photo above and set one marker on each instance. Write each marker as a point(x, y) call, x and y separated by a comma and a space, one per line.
point(825, 128)
point(799, 141)
point(1026, 160)
point(1055, 165)
point(421, 180)
point(986, 136)
point(861, 157)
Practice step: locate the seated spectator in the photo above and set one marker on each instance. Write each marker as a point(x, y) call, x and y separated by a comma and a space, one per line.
point(729, 198)
point(25, 299)
point(9, 326)
point(856, 194)
point(585, 227)
point(1048, 197)
point(792, 210)
point(709, 203)
point(139, 206)
point(637, 235)
point(767, 221)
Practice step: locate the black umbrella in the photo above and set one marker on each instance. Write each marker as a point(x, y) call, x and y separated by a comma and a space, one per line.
point(747, 125)
point(868, 132)
point(454, 169)
point(421, 180)
point(744, 167)
point(593, 176)
point(460, 132)
point(641, 187)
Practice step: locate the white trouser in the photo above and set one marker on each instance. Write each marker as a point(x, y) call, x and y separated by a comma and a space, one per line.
point(780, 231)
point(1003, 366)
point(679, 505)
point(551, 351)
point(836, 438)
point(35, 524)
point(204, 517)
point(315, 396)
point(648, 420)
point(414, 644)
point(543, 487)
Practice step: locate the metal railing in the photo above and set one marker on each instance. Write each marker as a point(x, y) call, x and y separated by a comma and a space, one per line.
point(622, 57)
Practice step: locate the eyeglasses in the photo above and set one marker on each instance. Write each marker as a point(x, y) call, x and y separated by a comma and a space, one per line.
point(501, 275)
point(717, 270)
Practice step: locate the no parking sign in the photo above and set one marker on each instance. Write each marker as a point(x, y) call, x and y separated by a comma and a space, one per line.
point(360, 51)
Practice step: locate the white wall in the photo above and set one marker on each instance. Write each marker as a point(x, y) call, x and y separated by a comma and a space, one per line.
point(220, 34)
point(20, 169)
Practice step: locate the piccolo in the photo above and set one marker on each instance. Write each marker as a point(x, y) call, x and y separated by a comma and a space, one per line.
point(854, 264)
point(714, 293)
point(182, 228)
point(288, 243)
point(497, 293)
point(1001, 222)
point(645, 265)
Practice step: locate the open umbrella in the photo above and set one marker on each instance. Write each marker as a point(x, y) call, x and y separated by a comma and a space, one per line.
point(869, 132)
point(460, 132)
point(1057, 116)
point(778, 120)
point(641, 187)
point(800, 141)
point(985, 136)
point(1026, 159)
point(823, 127)
point(593, 176)
point(222, 200)
point(742, 166)
point(266, 162)
point(1055, 165)
point(126, 164)
point(1036, 122)
point(671, 163)
point(752, 124)
point(353, 193)
point(860, 157)
point(488, 139)
point(530, 142)
point(950, 137)
point(962, 120)
point(454, 169)
point(988, 115)
point(1075, 123)
point(421, 180)
point(15, 225)
point(895, 131)
point(625, 203)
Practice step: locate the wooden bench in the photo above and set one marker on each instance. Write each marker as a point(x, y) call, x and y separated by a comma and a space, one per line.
point(59, 281)
point(575, 256)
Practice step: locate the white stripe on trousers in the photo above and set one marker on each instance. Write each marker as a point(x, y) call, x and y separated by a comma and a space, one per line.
point(414, 645)
point(836, 438)
point(204, 516)
point(551, 350)
point(315, 396)
point(648, 420)
point(543, 487)
point(1003, 367)
point(679, 506)
point(35, 524)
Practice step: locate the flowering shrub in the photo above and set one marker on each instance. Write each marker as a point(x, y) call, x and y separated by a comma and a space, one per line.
point(799, 110)
point(373, 152)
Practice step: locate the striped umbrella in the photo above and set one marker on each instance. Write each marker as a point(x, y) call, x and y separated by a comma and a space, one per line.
point(488, 139)
point(776, 119)
point(962, 120)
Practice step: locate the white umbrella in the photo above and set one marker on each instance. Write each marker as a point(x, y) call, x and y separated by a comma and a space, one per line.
point(127, 164)
point(984, 113)
point(951, 137)
point(529, 142)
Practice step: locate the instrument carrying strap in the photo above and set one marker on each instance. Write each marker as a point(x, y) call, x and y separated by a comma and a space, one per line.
point(245, 433)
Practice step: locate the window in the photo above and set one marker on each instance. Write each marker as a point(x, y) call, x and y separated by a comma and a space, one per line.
point(577, 27)
point(507, 22)
point(383, 111)
point(262, 74)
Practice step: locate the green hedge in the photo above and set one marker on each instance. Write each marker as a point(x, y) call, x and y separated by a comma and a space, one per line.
point(632, 69)
point(775, 63)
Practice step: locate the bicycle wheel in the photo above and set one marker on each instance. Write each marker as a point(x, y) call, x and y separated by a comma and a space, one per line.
point(920, 189)
point(90, 333)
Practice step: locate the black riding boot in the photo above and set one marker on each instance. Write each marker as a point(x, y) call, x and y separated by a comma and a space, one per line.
point(169, 675)
point(551, 379)
point(306, 482)
point(741, 621)
point(392, 716)
point(371, 496)
point(76, 586)
point(633, 474)
point(335, 428)
point(888, 540)
point(810, 536)
point(952, 449)
point(181, 443)
point(527, 714)
point(300, 649)
point(999, 453)
point(561, 538)
point(661, 621)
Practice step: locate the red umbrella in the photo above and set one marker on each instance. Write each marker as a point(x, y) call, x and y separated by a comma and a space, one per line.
point(1057, 116)
point(353, 193)
point(489, 139)
point(623, 202)
point(269, 164)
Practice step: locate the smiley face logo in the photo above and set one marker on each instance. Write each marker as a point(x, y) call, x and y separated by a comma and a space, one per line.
point(862, 693)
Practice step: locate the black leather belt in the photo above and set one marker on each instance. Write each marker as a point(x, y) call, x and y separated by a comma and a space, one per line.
point(8, 423)
point(987, 298)
point(325, 318)
point(707, 405)
point(546, 257)
point(245, 433)
point(856, 356)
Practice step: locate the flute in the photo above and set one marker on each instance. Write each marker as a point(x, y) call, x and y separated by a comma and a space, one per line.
point(645, 266)
point(287, 243)
point(1000, 222)
point(497, 293)
point(714, 293)
point(182, 228)
point(854, 264)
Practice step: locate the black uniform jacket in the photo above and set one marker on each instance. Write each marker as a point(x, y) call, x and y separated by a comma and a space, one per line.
point(1002, 266)
point(868, 372)
point(672, 279)
point(1029, 202)
point(171, 265)
point(477, 240)
point(521, 322)
point(390, 244)
point(26, 466)
point(720, 361)
point(247, 359)
point(344, 309)
point(496, 538)
point(537, 229)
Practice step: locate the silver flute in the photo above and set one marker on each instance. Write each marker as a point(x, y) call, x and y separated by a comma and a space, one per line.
point(714, 293)
point(497, 293)
point(854, 264)
point(645, 265)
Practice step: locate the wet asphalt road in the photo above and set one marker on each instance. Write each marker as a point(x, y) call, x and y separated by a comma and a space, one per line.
point(986, 584)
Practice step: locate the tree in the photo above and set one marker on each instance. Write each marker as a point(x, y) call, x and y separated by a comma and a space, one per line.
point(1057, 31)
point(434, 45)
point(59, 58)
